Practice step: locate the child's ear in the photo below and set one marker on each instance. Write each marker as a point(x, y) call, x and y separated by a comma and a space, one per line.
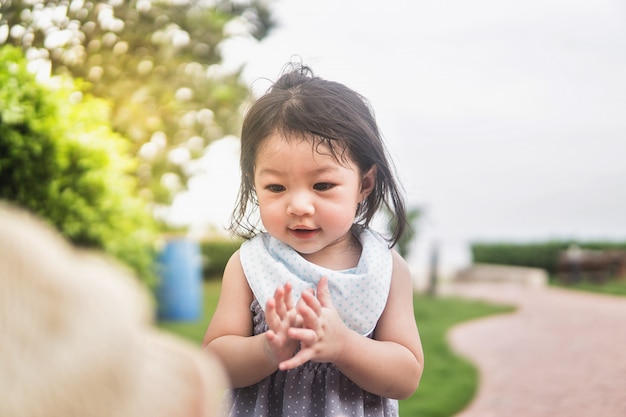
point(368, 182)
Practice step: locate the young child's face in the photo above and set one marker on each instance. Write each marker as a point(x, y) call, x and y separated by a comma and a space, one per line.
point(307, 199)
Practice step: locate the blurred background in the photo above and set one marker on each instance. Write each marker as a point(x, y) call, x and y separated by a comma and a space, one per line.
point(120, 121)
point(505, 119)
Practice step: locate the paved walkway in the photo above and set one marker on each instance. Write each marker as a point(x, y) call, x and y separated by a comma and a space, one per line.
point(561, 354)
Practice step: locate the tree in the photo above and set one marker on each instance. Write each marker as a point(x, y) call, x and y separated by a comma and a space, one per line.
point(413, 215)
point(60, 159)
point(158, 62)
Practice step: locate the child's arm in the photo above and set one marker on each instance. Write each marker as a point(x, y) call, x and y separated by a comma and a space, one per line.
point(389, 365)
point(247, 358)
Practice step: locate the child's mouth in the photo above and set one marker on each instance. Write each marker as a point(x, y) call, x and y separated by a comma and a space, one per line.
point(303, 233)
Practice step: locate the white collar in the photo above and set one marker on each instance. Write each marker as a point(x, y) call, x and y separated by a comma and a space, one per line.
point(359, 294)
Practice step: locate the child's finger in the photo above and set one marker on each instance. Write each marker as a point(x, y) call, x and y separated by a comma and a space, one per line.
point(309, 299)
point(309, 315)
point(270, 314)
point(304, 335)
point(287, 296)
point(323, 293)
point(300, 358)
point(270, 335)
point(279, 297)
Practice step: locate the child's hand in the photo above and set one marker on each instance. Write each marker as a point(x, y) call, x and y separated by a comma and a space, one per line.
point(322, 334)
point(280, 316)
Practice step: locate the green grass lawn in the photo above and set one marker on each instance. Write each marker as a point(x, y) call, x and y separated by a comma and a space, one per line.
point(449, 381)
point(195, 330)
point(611, 287)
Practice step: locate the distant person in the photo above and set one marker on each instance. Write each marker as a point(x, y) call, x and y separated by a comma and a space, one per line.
point(77, 339)
point(315, 317)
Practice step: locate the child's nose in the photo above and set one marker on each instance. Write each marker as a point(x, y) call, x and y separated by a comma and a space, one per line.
point(300, 204)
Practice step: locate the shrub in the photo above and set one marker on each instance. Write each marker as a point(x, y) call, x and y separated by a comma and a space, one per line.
point(539, 255)
point(60, 159)
point(215, 256)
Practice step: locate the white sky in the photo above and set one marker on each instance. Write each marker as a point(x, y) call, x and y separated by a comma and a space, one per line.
point(506, 119)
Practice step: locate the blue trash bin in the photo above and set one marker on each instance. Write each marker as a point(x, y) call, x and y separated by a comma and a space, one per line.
point(179, 293)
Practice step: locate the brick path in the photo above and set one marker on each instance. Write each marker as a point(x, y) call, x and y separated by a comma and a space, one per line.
point(561, 354)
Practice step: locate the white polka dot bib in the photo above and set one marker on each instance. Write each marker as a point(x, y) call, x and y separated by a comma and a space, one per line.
point(359, 294)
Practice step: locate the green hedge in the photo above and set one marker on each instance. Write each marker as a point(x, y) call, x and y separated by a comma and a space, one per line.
point(542, 255)
point(215, 256)
point(61, 159)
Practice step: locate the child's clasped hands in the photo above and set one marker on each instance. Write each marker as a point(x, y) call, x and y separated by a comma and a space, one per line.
point(313, 325)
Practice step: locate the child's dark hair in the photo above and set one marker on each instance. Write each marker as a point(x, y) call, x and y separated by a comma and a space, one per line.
point(327, 113)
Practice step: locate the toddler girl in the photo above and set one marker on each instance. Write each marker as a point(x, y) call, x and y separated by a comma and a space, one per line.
point(315, 317)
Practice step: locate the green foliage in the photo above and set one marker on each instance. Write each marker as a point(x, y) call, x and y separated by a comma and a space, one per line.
point(413, 215)
point(538, 255)
point(215, 256)
point(156, 61)
point(60, 159)
point(612, 287)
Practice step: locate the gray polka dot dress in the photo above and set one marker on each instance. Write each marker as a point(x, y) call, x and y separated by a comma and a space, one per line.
point(315, 389)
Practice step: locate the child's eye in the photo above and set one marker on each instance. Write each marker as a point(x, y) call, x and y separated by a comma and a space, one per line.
point(323, 186)
point(275, 188)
